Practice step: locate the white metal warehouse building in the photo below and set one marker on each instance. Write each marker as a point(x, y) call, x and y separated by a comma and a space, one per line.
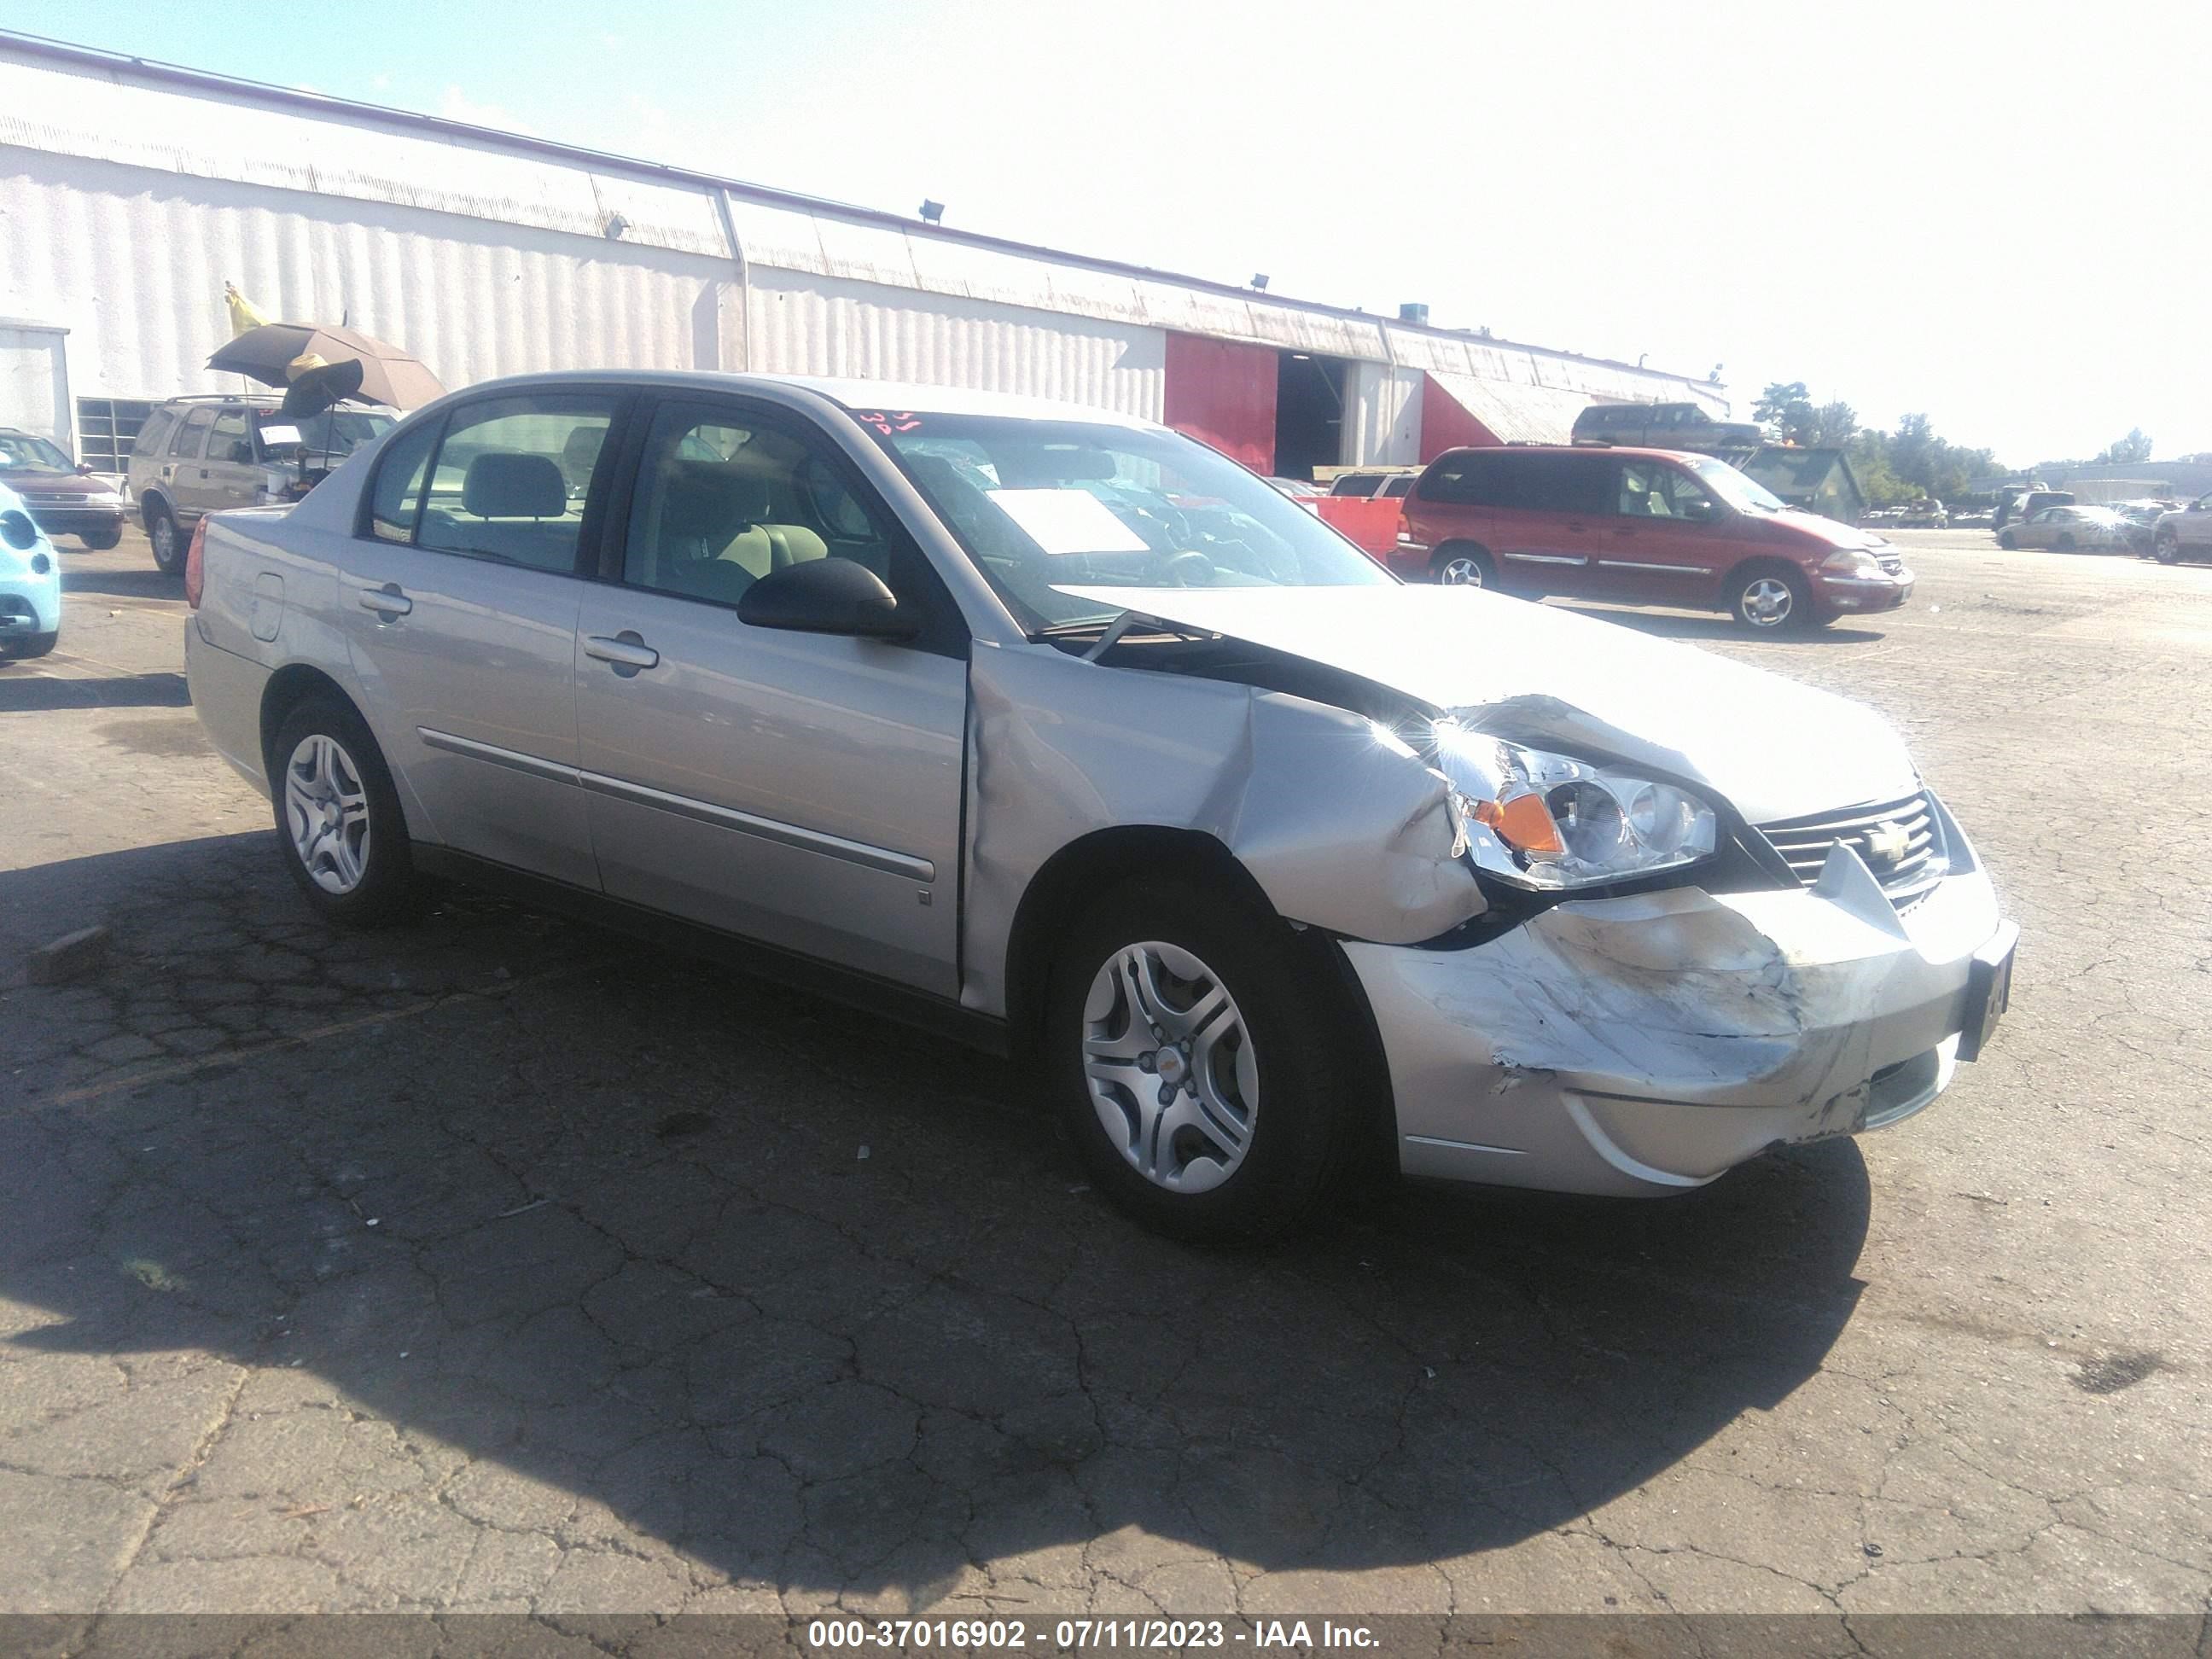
point(130, 193)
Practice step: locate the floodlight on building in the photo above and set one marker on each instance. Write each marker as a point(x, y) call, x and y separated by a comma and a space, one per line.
point(1259, 280)
point(932, 212)
point(615, 225)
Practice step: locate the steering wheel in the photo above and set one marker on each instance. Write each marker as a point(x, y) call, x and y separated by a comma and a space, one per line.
point(1179, 569)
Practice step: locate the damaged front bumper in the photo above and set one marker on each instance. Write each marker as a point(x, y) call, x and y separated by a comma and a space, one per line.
point(1647, 1044)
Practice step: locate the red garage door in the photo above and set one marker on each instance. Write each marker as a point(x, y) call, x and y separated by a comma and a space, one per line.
point(1223, 393)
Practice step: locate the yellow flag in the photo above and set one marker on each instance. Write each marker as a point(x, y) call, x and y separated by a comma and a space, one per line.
point(243, 315)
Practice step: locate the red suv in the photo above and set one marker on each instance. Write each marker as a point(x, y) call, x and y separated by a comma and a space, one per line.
point(1641, 527)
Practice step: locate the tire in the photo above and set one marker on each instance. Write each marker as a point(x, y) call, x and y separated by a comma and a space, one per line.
point(1277, 1062)
point(2006, 540)
point(355, 866)
point(1771, 598)
point(100, 541)
point(168, 539)
point(1463, 564)
point(2167, 548)
point(22, 649)
point(2066, 544)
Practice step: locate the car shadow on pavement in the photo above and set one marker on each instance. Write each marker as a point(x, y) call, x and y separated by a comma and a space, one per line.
point(148, 584)
point(1674, 625)
point(21, 693)
point(525, 1228)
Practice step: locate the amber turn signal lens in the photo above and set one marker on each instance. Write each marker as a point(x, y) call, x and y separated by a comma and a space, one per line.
point(1523, 823)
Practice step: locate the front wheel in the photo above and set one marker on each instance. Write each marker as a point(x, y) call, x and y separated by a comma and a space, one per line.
point(2066, 544)
point(100, 541)
point(1202, 1060)
point(1771, 600)
point(168, 541)
point(338, 821)
point(2006, 540)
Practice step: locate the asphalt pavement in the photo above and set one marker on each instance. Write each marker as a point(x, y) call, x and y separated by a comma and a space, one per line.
point(497, 1263)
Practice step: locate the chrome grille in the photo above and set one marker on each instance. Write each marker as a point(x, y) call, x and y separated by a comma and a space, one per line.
point(1898, 840)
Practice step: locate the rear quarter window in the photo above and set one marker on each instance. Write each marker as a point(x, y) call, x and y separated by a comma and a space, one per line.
point(154, 433)
point(1466, 478)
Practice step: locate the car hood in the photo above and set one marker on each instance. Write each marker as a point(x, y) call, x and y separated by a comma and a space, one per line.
point(1824, 529)
point(1772, 748)
point(31, 482)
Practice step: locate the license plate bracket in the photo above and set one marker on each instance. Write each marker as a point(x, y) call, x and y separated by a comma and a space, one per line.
point(1989, 991)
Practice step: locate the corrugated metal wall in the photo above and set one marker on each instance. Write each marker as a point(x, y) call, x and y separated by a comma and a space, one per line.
point(1384, 406)
point(136, 261)
point(811, 324)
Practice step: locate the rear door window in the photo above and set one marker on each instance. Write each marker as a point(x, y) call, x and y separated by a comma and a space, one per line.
point(505, 484)
point(231, 441)
point(1557, 481)
point(192, 434)
point(395, 500)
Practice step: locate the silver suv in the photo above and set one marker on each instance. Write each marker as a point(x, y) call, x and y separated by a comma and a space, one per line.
point(1064, 733)
point(197, 455)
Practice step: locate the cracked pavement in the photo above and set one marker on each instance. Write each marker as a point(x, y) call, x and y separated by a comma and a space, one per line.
point(497, 1264)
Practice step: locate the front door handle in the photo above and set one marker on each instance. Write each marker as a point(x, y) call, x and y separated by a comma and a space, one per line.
point(386, 601)
point(1577, 525)
point(626, 650)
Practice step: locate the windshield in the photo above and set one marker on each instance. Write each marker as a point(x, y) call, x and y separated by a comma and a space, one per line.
point(20, 452)
point(337, 432)
point(1740, 492)
point(1040, 505)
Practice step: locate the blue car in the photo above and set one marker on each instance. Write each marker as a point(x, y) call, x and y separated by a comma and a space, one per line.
point(30, 584)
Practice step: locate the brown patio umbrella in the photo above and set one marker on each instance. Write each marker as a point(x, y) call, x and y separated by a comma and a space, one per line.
point(388, 376)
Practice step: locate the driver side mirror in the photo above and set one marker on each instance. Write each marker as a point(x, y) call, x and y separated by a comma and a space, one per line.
point(84, 469)
point(826, 596)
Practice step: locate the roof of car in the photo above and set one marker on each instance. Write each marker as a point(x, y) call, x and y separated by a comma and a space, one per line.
point(852, 394)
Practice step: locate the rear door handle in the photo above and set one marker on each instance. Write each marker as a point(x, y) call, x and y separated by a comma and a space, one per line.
point(386, 601)
point(626, 650)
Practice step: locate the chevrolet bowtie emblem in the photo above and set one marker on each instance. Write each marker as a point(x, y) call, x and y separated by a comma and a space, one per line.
point(1888, 843)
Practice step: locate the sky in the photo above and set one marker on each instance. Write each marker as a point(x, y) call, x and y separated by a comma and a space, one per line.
point(1999, 215)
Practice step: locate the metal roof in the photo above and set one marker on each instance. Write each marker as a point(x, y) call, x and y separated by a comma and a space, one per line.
point(432, 161)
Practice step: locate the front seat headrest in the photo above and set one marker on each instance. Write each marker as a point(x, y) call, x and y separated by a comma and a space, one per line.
point(500, 484)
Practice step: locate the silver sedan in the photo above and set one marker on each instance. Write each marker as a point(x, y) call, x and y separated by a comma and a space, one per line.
point(1061, 732)
point(2070, 529)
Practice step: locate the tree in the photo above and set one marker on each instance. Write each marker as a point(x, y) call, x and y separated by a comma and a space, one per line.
point(2136, 446)
point(1834, 424)
point(1785, 410)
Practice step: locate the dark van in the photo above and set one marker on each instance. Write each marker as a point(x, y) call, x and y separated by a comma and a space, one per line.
point(1641, 527)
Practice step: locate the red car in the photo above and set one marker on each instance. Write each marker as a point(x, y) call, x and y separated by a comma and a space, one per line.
point(1641, 527)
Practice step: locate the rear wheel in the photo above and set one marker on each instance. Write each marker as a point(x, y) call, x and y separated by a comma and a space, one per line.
point(1200, 1057)
point(339, 820)
point(2066, 542)
point(1770, 599)
point(2006, 540)
point(168, 541)
point(101, 540)
point(1462, 565)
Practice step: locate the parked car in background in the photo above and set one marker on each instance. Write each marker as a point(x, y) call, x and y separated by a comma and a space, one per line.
point(62, 498)
point(1060, 731)
point(2018, 508)
point(2069, 530)
point(1641, 527)
point(1383, 484)
point(1926, 513)
point(30, 583)
point(204, 454)
point(1664, 426)
point(1297, 488)
point(2185, 533)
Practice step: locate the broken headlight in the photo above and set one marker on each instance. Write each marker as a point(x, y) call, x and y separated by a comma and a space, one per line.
point(1551, 820)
